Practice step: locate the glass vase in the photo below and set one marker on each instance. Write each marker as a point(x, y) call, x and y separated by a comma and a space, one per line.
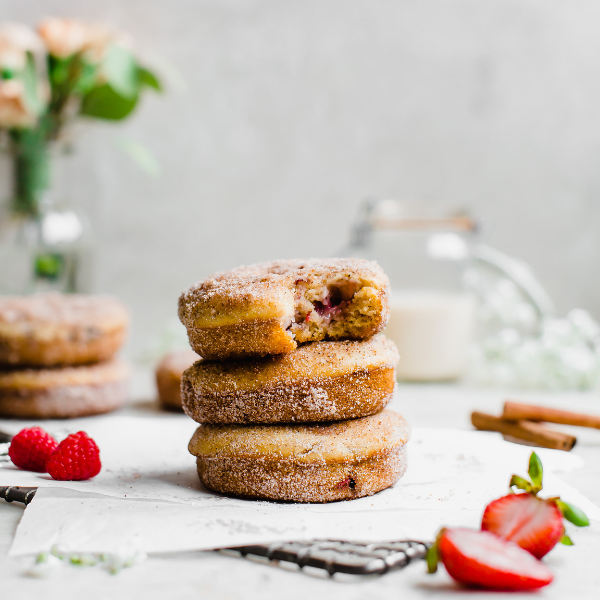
point(45, 244)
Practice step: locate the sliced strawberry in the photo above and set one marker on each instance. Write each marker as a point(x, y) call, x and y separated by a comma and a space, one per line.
point(534, 524)
point(482, 559)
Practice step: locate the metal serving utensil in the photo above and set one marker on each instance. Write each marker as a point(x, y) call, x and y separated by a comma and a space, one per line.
point(336, 556)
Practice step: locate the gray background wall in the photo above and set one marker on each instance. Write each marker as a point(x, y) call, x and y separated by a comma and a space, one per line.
point(289, 113)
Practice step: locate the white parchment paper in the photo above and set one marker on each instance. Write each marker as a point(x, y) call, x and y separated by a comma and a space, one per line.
point(148, 496)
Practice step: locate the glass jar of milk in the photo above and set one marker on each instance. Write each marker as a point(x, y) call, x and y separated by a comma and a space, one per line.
point(443, 282)
point(432, 317)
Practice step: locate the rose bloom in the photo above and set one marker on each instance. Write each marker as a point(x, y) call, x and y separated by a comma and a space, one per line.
point(13, 109)
point(15, 41)
point(65, 37)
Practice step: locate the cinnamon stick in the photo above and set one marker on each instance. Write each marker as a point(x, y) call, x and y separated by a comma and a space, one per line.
point(514, 411)
point(525, 430)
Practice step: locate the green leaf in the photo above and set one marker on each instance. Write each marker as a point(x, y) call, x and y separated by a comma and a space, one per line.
point(88, 75)
point(149, 79)
point(432, 558)
point(536, 471)
point(566, 540)
point(573, 514)
point(103, 102)
point(121, 72)
point(34, 101)
point(520, 483)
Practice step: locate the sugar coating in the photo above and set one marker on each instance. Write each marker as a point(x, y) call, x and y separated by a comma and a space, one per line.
point(64, 402)
point(275, 404)
point(303, 463)
point(52, 329)
point(64, 392)
point(35, 379)
point(269, 307)
point(265, 480)
point(340, 442)
point(62, 309)
point(319, 381)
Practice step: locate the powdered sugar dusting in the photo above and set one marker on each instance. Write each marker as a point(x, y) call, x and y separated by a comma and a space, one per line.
point(303, 463)
point(64, 393)
point(32, 379)
point(352, 440)
point(320, 381)
point(52, 329)
point(278, 298)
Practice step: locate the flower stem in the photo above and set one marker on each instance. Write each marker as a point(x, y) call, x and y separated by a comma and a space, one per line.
point(31, 170)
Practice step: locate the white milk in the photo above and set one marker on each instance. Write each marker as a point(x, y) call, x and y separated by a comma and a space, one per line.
point(433, 331)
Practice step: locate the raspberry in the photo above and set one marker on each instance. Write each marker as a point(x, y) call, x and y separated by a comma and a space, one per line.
point(76, 458)
point(30, 449)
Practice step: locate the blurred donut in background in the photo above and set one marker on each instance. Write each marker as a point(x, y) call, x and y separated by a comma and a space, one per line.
point(168, 377)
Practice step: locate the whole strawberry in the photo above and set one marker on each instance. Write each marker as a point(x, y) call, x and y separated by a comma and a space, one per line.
point(76, 458)
point(479, 558)
point(30, 449)
point(534, 523)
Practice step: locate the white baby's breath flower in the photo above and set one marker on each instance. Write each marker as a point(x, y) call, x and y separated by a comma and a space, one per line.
point(45, 565)
point(116, 562)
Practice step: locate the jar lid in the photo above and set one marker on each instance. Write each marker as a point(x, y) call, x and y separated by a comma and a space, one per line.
point(390, 214)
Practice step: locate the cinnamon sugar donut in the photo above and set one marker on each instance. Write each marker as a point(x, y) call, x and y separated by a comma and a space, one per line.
point(303, 463)
point(55, 329)
point(269, 308)
point(168, 376)
point(319, 381)
point(60, 393)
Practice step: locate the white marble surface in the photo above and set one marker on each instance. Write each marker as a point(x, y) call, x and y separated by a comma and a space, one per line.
point(214, 576)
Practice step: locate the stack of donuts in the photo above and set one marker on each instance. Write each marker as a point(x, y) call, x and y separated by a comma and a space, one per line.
point(57, 355)
point(291, 391)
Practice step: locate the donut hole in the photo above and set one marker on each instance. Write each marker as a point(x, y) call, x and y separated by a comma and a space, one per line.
point(331, 309)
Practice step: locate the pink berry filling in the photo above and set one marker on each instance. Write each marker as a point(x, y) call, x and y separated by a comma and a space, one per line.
point(321, 305)
point(348, 482)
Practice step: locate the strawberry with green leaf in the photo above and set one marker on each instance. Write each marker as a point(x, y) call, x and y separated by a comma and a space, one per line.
point(534, 523)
